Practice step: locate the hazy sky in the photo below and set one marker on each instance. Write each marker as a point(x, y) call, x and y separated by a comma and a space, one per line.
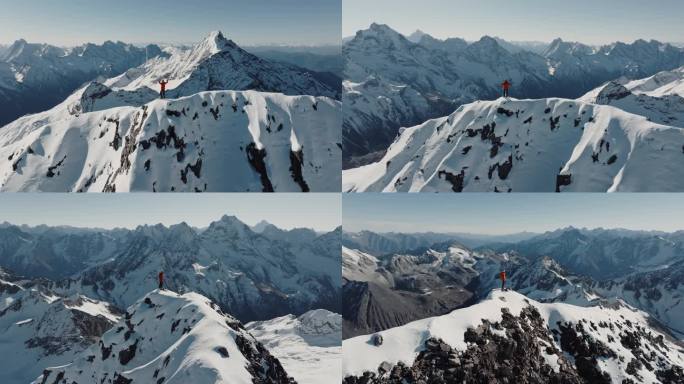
point(493, 213)
point(319, 211)
point(247, 22)
point(589, 21)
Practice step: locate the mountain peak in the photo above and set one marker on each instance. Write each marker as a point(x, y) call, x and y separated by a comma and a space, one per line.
point(261, 226)
point(216, 42)
point(417, 36)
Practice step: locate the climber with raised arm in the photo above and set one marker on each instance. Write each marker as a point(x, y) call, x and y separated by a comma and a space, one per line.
point(162, 91)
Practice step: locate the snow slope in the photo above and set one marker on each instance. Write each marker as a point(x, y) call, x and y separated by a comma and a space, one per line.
point(659, 97)
point(528, 145)
point(659, 85)
point(308, 346)
point(40, 328)
point(617, 341)
point(171, 338)
point(210, 141)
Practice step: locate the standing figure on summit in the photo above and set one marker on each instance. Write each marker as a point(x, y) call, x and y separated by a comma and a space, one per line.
point(502, 276)
point(506, 85)
point(161, 280)
point(162, 92)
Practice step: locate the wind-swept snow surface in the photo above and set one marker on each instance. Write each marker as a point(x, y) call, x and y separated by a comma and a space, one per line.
point(542, 145)
point(510, 337)
point(170, 338)
point(210, 141)
point(308, 346)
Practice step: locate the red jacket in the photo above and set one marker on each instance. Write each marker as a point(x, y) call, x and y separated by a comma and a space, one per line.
point(161, 277)
point(502, 275)
point(163, 85)
point(506, 85)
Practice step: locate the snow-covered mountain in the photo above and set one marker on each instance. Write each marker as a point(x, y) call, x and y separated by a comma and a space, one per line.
point(112, 135)
point(510, 338)
point(541, 145)
point(657, 292)
point(35, 77)
point(659, 97)
point(39, 327)
point(433, 77)
point(217, 63)
point(308, 346)
point(105, 140)
point(170, 338)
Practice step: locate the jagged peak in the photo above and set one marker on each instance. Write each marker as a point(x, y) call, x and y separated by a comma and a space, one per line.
point(216, 42)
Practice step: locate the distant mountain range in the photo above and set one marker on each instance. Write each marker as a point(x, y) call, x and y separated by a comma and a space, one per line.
point(393, 82)
point(576, 266)
point(36, 77)
point(254, 276)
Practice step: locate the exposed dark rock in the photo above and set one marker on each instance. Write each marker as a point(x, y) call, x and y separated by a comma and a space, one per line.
point(296, 161)
point(456, 181)
point(256, 157)
point(222, 351)
point(126, 355)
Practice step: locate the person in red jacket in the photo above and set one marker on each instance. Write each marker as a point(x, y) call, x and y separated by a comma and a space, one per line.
point(502, 276)
point(162, 84)
point(161, 280)
point(506, 85)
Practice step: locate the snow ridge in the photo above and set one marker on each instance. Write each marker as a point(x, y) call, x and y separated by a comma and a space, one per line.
point(171, 338)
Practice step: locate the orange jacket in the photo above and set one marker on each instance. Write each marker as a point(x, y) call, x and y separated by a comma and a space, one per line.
point(502, 275)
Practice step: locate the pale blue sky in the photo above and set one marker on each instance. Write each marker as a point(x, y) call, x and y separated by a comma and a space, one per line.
point(247, 22)
point(589, 21)
point(492, 213)
point(319, 211)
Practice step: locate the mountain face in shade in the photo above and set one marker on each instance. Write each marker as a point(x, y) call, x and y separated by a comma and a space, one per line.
point(36, 77)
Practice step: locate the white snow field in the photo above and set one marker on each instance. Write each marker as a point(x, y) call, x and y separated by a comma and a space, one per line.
point(309, 346)
point(540, 145)
point(403, 344)
point(210, 141)
point(170, 338)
